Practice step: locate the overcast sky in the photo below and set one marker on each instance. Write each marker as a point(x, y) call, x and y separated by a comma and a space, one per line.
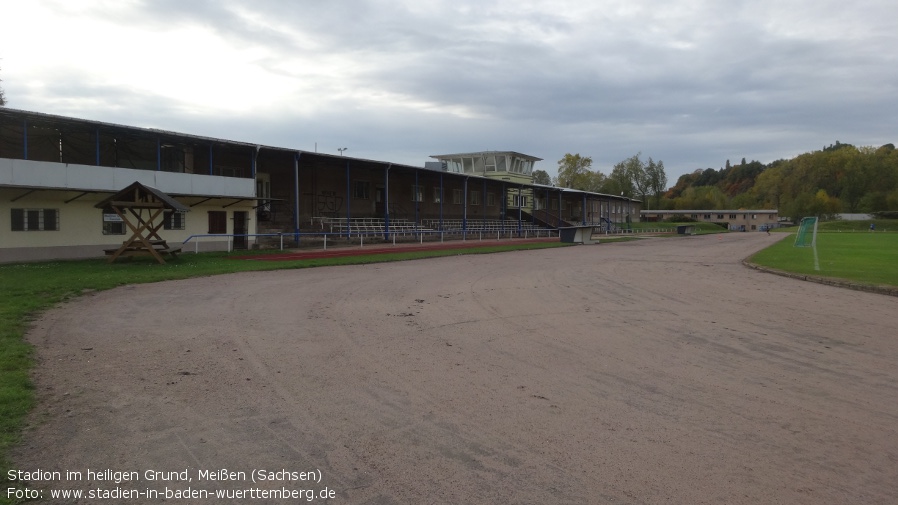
point(691, 83)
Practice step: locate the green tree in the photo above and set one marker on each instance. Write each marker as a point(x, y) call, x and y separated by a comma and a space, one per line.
point(657, 179)
point(618, 182)
point(573, 170)
point(542, 177)
point(635, 170)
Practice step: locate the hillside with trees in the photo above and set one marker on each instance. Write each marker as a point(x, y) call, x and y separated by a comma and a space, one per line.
point(839, 178)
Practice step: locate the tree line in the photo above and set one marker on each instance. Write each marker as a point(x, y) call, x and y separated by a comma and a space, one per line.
point(632, 177)
point(838, 178)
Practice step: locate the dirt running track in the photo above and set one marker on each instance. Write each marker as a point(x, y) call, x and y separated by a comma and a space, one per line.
point(658, 371)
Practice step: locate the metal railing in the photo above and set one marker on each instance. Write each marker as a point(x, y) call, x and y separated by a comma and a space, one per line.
point(419, 235)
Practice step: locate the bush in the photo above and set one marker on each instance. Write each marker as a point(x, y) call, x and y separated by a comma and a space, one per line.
point(886, 214)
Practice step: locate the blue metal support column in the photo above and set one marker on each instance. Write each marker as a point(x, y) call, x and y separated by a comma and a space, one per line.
point(25, 135)
point(387, 202)
point(548, 207)
point(583, 210)
point(158, 154)
point(464, 219)
point(417, 200)
point(560, 210)
point(253, 162)
point(295, 198)
point(211, 165)
point(503, 207)
point(441, 202)
point(98, 147)
point(520, 208)
point(483, 201)
point(348, 199)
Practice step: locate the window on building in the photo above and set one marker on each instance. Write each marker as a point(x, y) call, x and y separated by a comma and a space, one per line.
point(719, 216)
point(457, 197)
point(361, 190)
point(475, 197)
point(754, 216)
point(521, 201)
point(218, 221)
point(437, 195)
point(694, 216)
point(113, 224)
point(35, 219)
point(490, 199)
point(732, 216)
point(174, 220)
point(707, 216)
point(417, 193)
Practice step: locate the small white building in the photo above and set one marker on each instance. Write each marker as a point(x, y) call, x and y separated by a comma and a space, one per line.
point(735, 220)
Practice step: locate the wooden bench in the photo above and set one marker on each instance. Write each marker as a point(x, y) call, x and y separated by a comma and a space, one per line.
point(159, 246)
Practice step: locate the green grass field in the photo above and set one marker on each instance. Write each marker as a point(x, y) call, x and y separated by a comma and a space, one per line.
point(26, 289)
point(864, 257)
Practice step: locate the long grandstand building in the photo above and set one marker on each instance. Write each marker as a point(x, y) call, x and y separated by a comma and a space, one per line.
point(55, 169)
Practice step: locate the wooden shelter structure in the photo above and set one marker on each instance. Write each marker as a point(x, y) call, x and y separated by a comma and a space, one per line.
point(142, 209)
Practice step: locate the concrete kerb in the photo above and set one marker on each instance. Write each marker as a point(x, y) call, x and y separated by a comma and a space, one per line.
point(870, 288)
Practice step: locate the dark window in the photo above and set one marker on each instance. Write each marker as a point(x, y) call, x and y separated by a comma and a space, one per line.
point(18, 219)
point(218, 221)
point(362, 190)
point(173, 220)
point(34, 219)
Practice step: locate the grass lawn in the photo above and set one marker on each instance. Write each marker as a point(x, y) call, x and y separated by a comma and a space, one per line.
point(869, 258)
point(26, 289)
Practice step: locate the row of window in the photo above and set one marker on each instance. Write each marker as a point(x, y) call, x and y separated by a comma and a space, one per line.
point(48, 220)
point(732, 216)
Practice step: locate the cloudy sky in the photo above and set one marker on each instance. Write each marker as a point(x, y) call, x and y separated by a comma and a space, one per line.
point(689, 82)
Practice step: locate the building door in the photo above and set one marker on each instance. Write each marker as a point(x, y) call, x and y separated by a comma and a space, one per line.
point(240, 229)
point(379, 201)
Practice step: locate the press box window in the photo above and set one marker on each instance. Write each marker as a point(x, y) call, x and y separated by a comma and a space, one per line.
point(35, 219)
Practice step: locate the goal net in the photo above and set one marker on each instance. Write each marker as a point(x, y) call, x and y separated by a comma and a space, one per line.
point(807, 233)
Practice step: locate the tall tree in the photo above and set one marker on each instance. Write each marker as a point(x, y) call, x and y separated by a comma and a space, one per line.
point(542, 177)
point(573, 171)
point(657, 179)
point(618, 182)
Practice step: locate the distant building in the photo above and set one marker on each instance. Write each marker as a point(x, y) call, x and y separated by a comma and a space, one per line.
point(736, 220)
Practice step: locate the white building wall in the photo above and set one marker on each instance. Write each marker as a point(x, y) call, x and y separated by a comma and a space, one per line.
point(80, 233)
